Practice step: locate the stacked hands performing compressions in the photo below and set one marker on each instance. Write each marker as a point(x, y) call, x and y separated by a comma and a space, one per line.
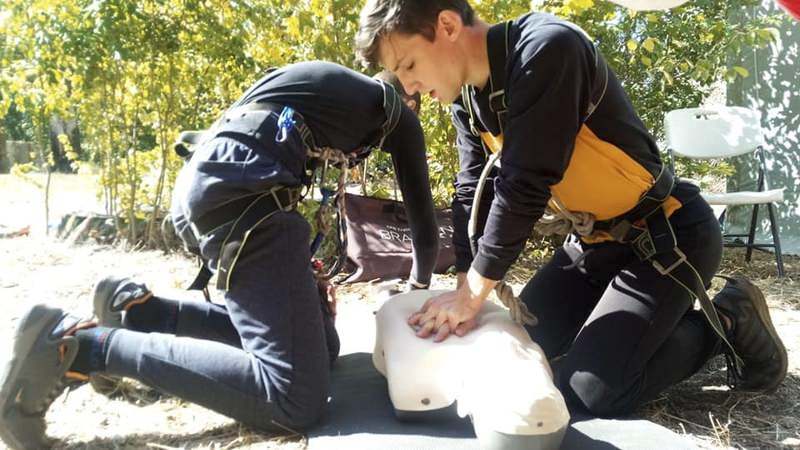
point(452, 312)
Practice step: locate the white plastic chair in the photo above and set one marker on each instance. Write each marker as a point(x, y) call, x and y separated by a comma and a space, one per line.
point(724, 132)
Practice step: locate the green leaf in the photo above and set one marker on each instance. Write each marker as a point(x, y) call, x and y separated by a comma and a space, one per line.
point(741, 71)
point(647, 61)
point(649, 44)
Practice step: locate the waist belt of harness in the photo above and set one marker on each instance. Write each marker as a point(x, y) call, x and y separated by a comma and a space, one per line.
point(250, 120)
point(282, 198)
point(253, 125)
point(623, 227)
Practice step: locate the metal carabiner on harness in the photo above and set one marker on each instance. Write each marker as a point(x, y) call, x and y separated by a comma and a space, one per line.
point(285, 124)
point(327, 195)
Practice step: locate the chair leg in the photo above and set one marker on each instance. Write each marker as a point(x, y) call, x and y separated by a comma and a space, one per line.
point(752, 235)
point(776, 241)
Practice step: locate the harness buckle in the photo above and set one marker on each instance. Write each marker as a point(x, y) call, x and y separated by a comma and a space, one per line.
point(291, 194)
point(502, 96)
point(666, 271)
point(643, 245)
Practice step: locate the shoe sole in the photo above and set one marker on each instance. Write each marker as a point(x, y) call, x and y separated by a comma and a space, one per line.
point(39, 319)
point(762, 309)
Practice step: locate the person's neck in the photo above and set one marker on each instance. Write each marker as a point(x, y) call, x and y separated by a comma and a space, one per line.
point(477, 54)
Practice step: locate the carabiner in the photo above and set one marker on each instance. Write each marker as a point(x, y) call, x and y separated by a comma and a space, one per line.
point(285, 124)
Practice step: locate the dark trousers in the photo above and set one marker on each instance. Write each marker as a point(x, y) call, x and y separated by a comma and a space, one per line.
point(262, 358)
point(623, 331)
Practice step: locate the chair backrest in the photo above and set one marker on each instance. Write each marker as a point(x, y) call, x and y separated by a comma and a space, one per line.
point(713, 132)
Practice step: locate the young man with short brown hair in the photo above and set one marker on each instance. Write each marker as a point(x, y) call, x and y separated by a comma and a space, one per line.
point(615, 303)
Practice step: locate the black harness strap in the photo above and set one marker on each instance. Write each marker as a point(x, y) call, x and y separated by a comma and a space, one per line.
point(246, 213)
point(498, 41)
point(655, 242)
point(262, 208)
point(229, 211)
point(497, 45)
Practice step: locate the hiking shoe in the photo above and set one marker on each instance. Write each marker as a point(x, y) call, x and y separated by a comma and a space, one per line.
point(112, 297)
point(115, 295)
point(752, 336)
point(44, 349)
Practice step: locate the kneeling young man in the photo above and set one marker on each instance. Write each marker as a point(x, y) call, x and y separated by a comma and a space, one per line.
point(263, 357)
point(615, 303)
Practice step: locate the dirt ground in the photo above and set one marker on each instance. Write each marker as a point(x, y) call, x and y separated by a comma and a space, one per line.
point(36, 268)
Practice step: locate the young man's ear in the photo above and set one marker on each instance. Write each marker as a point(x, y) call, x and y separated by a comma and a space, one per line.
point(449, 25)
point(412, 104)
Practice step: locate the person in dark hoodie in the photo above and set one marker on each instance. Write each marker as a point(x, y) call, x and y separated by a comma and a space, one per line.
point(262, 358)
point(615, 303)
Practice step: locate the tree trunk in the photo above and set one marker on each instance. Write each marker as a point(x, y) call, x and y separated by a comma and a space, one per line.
point(162, 175)
point(47, 201)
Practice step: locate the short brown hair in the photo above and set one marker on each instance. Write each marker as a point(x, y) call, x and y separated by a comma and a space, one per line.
point(381, 17)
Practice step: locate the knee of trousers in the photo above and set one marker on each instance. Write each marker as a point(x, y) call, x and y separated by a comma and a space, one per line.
point(303, 411)
point(302, 396)
point(275, 410)
point(591, 392)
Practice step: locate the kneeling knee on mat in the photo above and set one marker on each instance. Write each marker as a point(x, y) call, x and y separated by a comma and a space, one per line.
point(597, 396)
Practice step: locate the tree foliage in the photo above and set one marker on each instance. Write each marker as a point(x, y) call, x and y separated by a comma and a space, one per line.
point(135, 73)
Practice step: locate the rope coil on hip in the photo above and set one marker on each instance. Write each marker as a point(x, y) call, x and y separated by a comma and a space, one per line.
point(557, 219)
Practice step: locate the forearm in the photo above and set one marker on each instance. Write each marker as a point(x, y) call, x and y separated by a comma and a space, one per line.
point(407, 148)
point(477, 287)
point(461, 278)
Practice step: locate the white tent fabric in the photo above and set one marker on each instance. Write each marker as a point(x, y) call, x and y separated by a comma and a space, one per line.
point(649, 5)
